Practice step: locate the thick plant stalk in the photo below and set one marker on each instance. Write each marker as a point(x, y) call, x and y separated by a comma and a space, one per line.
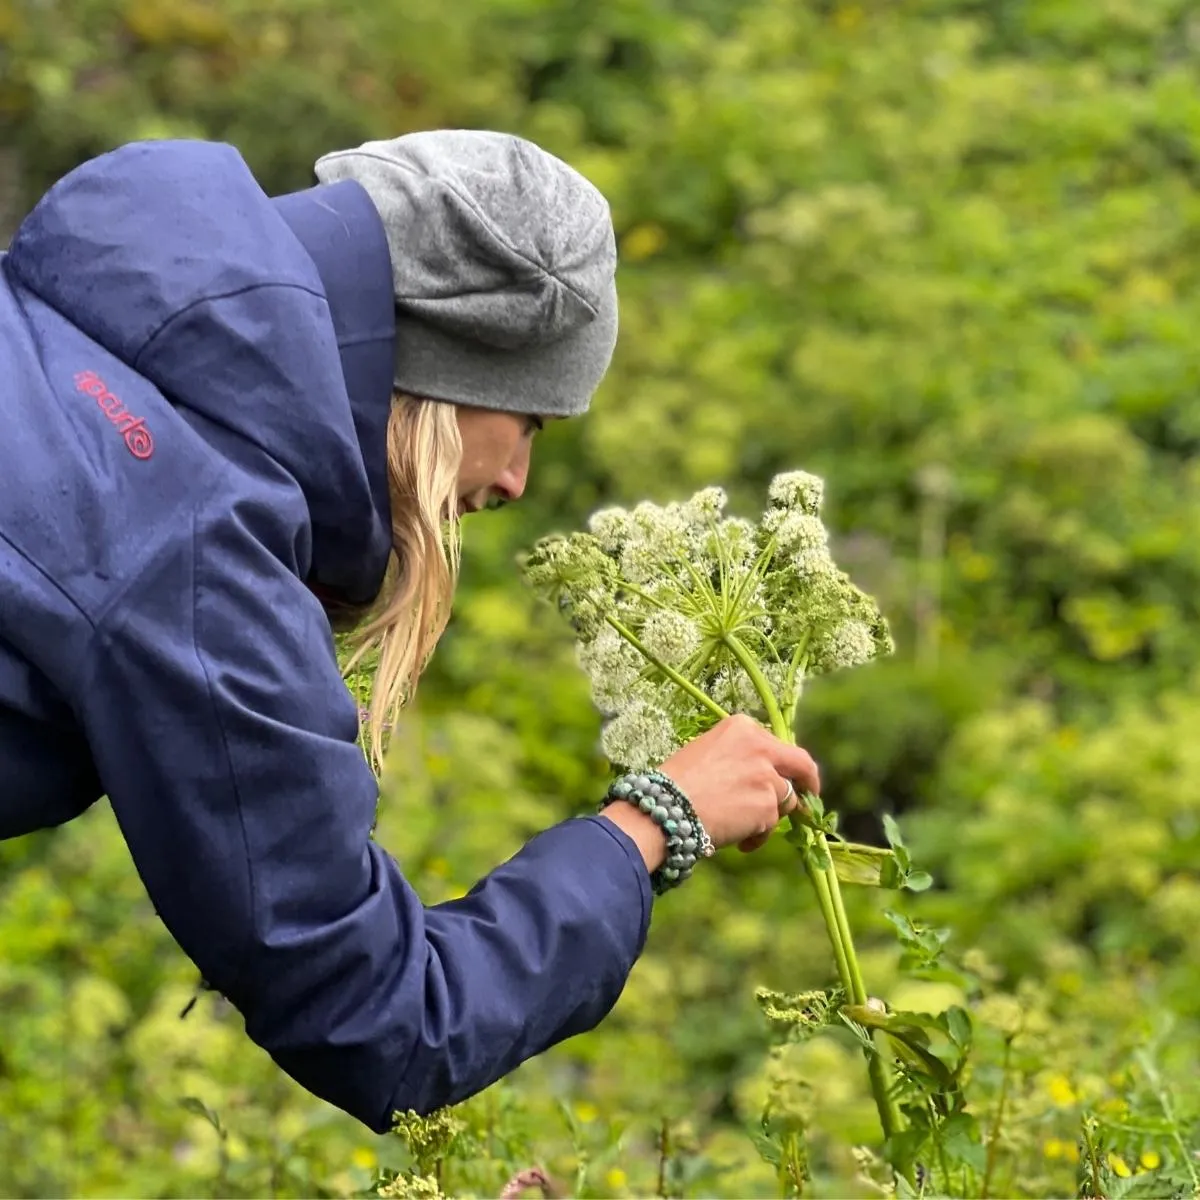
point(843, 946)
point(829, 898)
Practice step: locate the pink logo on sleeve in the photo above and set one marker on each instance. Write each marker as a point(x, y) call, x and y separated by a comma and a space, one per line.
point(137, 437)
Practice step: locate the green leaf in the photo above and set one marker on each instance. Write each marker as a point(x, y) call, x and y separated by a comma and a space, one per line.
point(768, 1149)
point(958, 1026)
point(817, 856)
point(959, 1136)
point(918, 881)
point(815, 806)
point(908, 1033)
point(197, 1106)
point(860, 864)
point(892, 831)
point(891, 875)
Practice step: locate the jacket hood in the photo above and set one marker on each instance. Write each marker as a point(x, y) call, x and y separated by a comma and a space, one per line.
point(148, 251)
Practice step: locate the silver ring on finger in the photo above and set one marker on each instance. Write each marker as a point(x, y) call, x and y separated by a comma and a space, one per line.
point(787, 795)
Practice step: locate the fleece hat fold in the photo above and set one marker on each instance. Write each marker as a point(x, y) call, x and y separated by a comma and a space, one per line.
point(503, 264)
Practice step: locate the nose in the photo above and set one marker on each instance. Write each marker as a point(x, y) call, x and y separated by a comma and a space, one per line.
point(510, 485)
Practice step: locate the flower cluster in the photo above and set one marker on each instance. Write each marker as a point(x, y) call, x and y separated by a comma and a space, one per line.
point(684, 614)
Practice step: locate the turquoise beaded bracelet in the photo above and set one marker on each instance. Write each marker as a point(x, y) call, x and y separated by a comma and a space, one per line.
point(664, 802)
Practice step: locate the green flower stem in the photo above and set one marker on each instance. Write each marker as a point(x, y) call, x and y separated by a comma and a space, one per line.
point(825, 903)
point(762, 686)
point(829, 897)
point(797, 668)
point(680, 681)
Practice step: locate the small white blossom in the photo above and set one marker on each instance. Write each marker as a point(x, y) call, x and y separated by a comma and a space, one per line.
point(639, 561)
point(814, 565)
point(640, 737)
point(704, 509)
point(610, 527)
point(776, 673)
point(734, 690)
point(613, 666)
point(666, 526)
point(850, 643)
point(654, 538)
point(670, 636)
point(799, 490)
point(681, 574)
point(795, 531)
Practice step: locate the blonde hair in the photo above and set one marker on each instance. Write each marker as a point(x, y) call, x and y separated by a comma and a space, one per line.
point(403, 625)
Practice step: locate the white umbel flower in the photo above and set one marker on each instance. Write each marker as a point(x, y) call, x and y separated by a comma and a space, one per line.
point(613, 666)
point(849, 643)
point(640, 737)
point(670, 636)
point(611, 527)
point(705, 508)
point(798, 490)
point(795, 531)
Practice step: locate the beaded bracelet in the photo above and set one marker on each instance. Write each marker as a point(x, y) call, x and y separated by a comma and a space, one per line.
point(661, 799)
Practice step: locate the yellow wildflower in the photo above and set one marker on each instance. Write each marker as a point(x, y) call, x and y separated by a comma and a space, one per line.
point(1061, 1091)
point(1151, 1160)
point(642, 242)
point(586, 1112)
point(1119, 1166)
point(363, 1157)
point(1060, 1148)
point(616, 1179)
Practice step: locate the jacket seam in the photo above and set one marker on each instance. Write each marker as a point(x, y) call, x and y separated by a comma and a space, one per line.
point(214, 298)
point(54, 583)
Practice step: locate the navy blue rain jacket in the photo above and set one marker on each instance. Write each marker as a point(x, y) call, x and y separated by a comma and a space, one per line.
point(194, 386)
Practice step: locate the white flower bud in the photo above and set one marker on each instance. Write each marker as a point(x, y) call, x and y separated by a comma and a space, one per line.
point(795, 532)
point(613, 666)
point(799, 490)
point(640, 737)
point(815, 566)
point(704, 509)
point(610, 527)
point(670, 636)
point(847, 644)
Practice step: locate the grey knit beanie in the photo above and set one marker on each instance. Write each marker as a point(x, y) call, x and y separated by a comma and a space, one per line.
point(503, 261)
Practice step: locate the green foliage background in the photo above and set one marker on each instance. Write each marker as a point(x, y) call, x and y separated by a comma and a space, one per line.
point(943, 252)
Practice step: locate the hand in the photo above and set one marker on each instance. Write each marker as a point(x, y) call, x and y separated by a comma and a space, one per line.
point(736, 776)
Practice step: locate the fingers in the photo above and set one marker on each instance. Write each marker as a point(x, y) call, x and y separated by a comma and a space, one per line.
point(757, 842)
point(787, 801)
point(794, 763)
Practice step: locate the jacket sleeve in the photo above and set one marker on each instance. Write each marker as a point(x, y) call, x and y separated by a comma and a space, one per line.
point(225, 740)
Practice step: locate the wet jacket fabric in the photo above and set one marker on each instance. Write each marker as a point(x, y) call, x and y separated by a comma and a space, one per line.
point(194, 386)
